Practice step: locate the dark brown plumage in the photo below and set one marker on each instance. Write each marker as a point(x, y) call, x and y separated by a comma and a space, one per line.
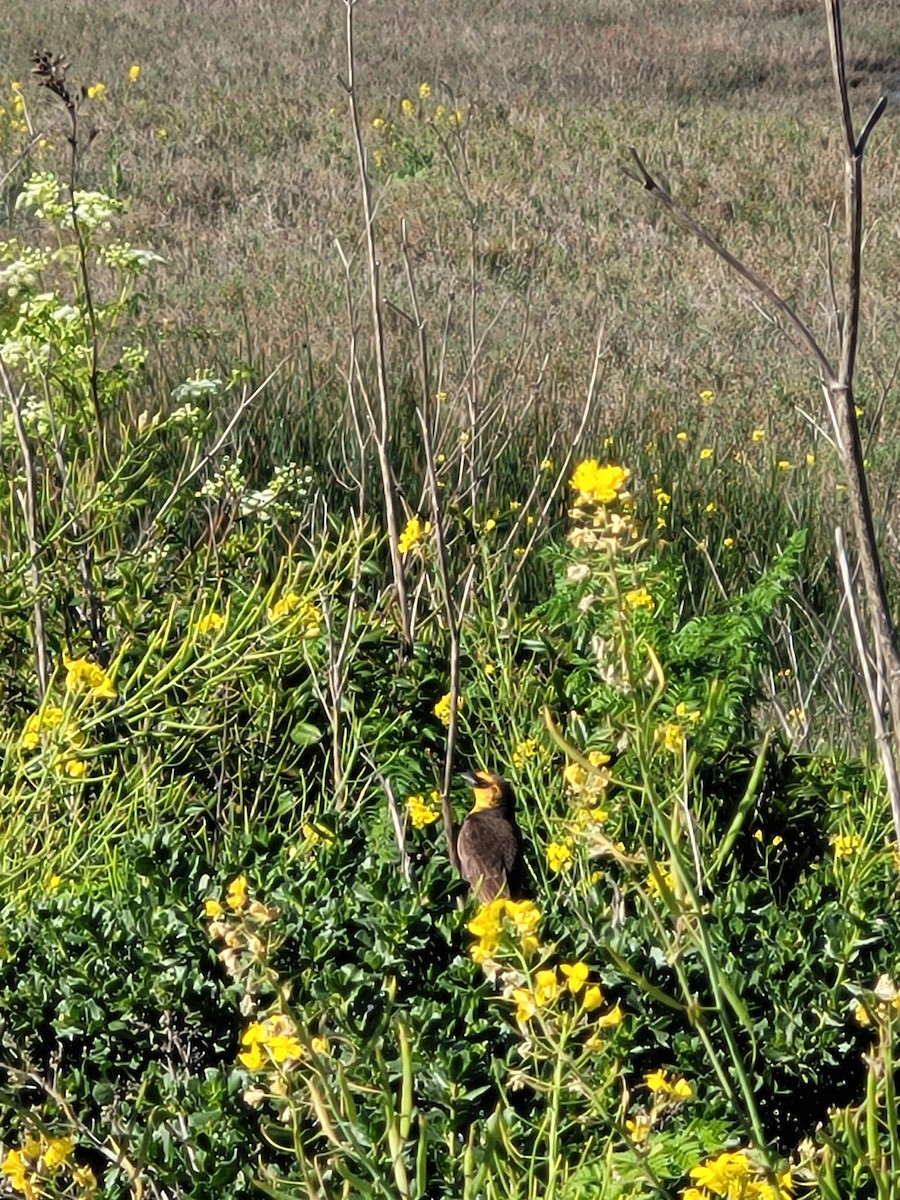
point(490, 842)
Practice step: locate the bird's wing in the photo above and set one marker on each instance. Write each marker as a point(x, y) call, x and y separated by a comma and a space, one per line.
point(488, 854)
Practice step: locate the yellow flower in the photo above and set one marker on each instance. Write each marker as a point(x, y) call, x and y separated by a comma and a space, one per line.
point(442, 708)
point(681, 436)
point(17, 1170)
point(663, 499)
point(758, 435)
point(307, 618)
point(672, 737)
point(490, 921)
point(639, 598)
point(783, 464)
point(57, 1151)
point(611, 1019)
point(706, 452)
point(529, 748)
point(576, 975)
point(85, 1178)
point(424, 90)
point(253, 1058)
point(599, 485)
point(319, 1045)
point(681, 710)
point(53, 882)
point(75, 768)
point(134, 73)
point(41, 722)
point(660, 879)
point(284, 1048)
point(727, 1175)
point(707, 396)
point(558, 855)
point(284, 607)
point(712, 506)
point(728, 542)
point(592, 998)
point(407, 106)
point(211, 623)
point(526, 1005)
point(810, 459)
point(88, 677)
point(546, 987)
point(378, 123)
point(236, 897)
point(96, 91)
point(419, 811)
point(162, 133)
point(845, 844)
point(414, 532)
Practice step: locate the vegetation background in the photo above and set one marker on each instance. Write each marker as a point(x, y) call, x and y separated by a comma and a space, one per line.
point(233, 949)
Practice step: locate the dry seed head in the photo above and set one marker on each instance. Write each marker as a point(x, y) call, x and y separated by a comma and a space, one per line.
point(50, 72)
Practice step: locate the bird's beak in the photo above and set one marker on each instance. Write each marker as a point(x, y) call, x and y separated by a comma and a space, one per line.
point(471, 778)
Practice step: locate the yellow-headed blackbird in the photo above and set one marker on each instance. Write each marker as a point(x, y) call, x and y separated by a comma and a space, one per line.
point(490, 843)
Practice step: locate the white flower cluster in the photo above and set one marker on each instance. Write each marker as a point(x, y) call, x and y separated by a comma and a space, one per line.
point(42, 194)
point(197, 388)
point(23, 269)
point(125, 257)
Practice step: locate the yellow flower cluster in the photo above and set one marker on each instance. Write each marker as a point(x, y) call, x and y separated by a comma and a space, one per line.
point(597, 525)
point(414, 533)
point(44, 1160)
point(514, 919)
point(672, 737)
point(51, 725)
point(306, 617)
point(547, 987)
point(17, 118)
point(585, 785)
point(734, 1176)
point(668, 1089)
point(442, 708)
point(272, 1041)
point(599, 485)
point(559, 854)
point(660, 879)
point(667, 1094)
point(529, 749)
point(421, 813)
point(88, 679)
point(212, 622)
point(239, 923)
point(845, 844)
point(639, 598)
point(41, 723)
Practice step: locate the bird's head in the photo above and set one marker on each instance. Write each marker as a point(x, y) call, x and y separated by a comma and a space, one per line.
point(491, 791)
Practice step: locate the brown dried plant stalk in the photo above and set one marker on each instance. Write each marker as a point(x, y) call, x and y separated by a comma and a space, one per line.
point(878, 653)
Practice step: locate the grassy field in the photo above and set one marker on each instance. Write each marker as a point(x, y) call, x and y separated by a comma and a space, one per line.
point(276, 563)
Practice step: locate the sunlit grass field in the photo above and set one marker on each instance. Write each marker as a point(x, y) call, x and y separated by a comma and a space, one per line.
point(303, 514)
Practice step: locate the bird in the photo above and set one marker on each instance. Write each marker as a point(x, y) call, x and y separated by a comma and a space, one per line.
point(490, 845)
